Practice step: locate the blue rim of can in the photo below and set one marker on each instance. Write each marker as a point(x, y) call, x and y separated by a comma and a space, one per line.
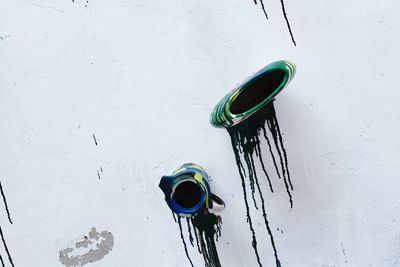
point(187, 172)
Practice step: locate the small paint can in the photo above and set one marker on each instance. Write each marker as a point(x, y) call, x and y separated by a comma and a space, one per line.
point(187, 191)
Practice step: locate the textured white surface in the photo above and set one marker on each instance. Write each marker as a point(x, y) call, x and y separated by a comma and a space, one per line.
point(143, 76)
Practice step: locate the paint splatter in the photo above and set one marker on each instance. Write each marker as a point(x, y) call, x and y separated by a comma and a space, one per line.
point(284, 15)
point(344, 253)
point(207, 228)
point(92, 248)
point(95, 141)
point(245, 139)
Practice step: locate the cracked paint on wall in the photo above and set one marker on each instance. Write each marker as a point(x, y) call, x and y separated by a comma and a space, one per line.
point(92, 248)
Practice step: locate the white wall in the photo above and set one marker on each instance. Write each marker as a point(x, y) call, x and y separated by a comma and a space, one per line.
point(143, 76)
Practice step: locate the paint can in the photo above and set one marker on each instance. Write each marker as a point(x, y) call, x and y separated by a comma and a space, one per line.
point(253, 94)
point(187, 191)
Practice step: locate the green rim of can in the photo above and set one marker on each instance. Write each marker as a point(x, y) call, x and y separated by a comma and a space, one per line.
point(253, 94)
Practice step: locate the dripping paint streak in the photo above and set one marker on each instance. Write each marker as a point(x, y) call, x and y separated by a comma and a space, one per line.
point(208, 227)
point(277, 261)
point(287, 22)
point(253, 189)
point(183, 240)
point(5, 203)
point(95, 141)
point(197, 239)
point(98, 175)
point(239, 164)
point(245, 139)
point(272, 153)
point(173, 215)
point(278, 264)
point(251, 166)
point(190, 232)
point(263, 167)
point(6, 248)
point(263, 8)
point(273, 130)
point(204, 250)
point(254, 242)
point(2, 262)
point(284, 14)
point(284, 152)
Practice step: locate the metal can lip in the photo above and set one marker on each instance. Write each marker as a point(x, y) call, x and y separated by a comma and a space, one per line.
point(222, 115)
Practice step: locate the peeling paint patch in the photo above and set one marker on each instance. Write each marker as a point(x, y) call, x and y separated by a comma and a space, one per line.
point(89, 249)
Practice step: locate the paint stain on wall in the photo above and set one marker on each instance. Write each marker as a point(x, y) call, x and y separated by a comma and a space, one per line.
point(95, 140)
point(245, 139)
point(207, 228)
point(90, 249)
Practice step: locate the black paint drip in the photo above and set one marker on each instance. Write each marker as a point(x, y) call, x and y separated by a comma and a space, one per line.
point(183, 241)
point(207, 228)
point(284, 14)
point(190, 232)
point(5, 203)
point(173, 215)
point(1, 231)
point(287, 22)
point(263, 8)
point(6, 248)
point(245, 138)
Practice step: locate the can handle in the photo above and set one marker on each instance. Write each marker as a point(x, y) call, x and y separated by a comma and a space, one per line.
point(218, 205)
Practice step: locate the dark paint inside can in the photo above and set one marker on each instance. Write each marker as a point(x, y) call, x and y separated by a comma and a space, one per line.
point(257, 91)
point(187, 194)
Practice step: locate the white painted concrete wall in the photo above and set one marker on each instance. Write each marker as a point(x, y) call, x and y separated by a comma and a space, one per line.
point(143, 76)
